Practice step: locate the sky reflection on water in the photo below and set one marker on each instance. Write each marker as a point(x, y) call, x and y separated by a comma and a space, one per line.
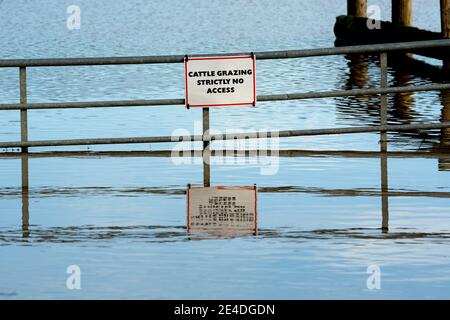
point(122, 218)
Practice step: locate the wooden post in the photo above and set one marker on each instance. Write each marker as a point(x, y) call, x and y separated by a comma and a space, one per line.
point(445, 27)
point(357, 8)
point(402, 12)
point(445, 18)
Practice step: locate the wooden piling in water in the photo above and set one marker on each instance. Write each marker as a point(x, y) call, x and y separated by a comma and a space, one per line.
point(445, 27)
point(353, 28)
point(357, 8)
point(445, 18)
point(402, 12)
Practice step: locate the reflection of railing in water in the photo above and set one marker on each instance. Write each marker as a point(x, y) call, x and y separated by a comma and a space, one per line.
point(444, 164)
point(384, 190)
point(440, 155)
point(177, 233)
point(383, 91)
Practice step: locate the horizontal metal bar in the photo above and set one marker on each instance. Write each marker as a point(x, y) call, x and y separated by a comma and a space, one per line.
point(237, 136)
point(353, 93)
point(283, 54)
point(92, 104)
point(261, 98)
point(315, 132)
point(146, 190)
point(288, 153)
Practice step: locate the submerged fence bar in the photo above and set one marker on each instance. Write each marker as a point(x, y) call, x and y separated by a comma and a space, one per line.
point(383, 90)
point(231, 136)
point(246, 153)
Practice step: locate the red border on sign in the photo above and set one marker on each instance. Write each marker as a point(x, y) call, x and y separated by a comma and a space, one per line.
point(186, 89)
point(255, 216)
point(188, 205)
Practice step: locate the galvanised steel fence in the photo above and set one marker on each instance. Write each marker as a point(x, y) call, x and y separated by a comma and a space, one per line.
point(383, 90)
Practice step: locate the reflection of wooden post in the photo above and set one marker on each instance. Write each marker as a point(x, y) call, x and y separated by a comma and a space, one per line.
point(357, 8)
point(358, 71)
point(358, 77)
point(444, 163)
point(445, 27)
point(445, 132)
point(445, 94)
point(403, 102)
point(402, 12)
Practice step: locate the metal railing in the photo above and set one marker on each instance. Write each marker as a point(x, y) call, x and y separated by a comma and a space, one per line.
point(383, 91)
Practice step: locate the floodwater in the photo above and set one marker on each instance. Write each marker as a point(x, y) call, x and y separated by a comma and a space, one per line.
point(121, 216)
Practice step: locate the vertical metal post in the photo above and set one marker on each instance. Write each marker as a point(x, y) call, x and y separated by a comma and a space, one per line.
point(205, 126)
point(206, 169)
point(384, 101)
point(383, 146)
point(23, 112)
point(25, 197)
point(384, 193)
point(206, 150)
point(24, 159)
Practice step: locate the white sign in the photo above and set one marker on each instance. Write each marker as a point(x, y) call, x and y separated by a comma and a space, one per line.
point(220, 81)
point(222, 208)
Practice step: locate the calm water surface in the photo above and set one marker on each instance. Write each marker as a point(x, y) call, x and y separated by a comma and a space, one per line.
point(122, 219)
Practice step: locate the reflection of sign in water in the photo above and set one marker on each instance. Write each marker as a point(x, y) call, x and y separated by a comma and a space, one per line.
point(220, 81)
point(222, 208)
